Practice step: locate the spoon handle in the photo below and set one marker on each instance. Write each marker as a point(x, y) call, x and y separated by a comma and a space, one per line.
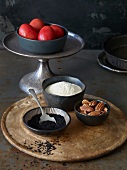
point(32, 92)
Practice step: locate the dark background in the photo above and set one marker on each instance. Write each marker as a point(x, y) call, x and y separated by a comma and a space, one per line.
point(93, 20)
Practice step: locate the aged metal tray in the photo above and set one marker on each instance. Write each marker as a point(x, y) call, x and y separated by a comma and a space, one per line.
point(34, 79)
point(102, 61)
point(73, 44)
point(76, 143)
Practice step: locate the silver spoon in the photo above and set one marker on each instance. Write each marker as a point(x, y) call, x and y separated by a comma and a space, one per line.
point(44, 116)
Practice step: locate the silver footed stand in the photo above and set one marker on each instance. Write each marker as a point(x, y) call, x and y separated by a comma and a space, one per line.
point(34, 80)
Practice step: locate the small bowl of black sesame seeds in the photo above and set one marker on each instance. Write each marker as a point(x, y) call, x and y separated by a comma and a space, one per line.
point(31, 120)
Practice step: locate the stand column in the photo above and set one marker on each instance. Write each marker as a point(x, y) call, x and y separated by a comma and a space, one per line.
point(34, 80)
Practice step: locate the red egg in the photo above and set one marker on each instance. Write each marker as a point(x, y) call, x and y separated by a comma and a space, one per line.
point(46, 33)
point(58, 31)
point(37, 23)
point(27, 31)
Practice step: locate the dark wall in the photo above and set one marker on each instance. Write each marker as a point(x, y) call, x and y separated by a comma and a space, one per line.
point(93, 20)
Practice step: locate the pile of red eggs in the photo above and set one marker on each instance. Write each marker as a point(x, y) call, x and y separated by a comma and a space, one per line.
point(38, 30)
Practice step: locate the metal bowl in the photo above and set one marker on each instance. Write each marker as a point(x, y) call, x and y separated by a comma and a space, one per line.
point(28, 115)
point(91, 120)
point(43, 47)
point(116, 51)
point(63, 102)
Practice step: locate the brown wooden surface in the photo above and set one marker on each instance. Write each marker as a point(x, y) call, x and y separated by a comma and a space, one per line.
point(76, 143)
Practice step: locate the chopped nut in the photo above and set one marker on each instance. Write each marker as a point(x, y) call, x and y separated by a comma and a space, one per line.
point(100, 106)
point(94, 113)
point(105, 109)
point(86, 109)
point(83, 112)
point(85, 101)
point(82, 109)
point(85, 104)
point(93, 103)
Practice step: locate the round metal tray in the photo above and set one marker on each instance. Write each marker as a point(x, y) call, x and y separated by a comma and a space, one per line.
point(102, 61)
point(73, 44)
point(34, 80)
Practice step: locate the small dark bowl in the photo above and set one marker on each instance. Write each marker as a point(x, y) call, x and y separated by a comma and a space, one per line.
point(28, 115)
point(91, 120)
point(63, 102)
point(116, 51)
point(43, 47)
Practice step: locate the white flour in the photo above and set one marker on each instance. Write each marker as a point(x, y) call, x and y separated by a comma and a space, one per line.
point(63, 88)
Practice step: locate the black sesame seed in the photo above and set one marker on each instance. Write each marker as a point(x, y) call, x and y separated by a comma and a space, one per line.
point(41, 147)
point(64, 164)
point(47, 125)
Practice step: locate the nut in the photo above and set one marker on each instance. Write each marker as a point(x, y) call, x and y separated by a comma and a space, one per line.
point(93, 103)
point(100, 106)
point(93, 108)
point(86, 109)
point(85, 101)
point(95, 113)
point(104, 110)
point(85, 104)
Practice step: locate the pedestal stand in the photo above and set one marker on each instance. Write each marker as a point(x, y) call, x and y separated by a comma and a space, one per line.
point(34, 80)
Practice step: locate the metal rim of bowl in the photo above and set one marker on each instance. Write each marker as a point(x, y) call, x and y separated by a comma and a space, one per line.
point(45, 131)
point(110, 39)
